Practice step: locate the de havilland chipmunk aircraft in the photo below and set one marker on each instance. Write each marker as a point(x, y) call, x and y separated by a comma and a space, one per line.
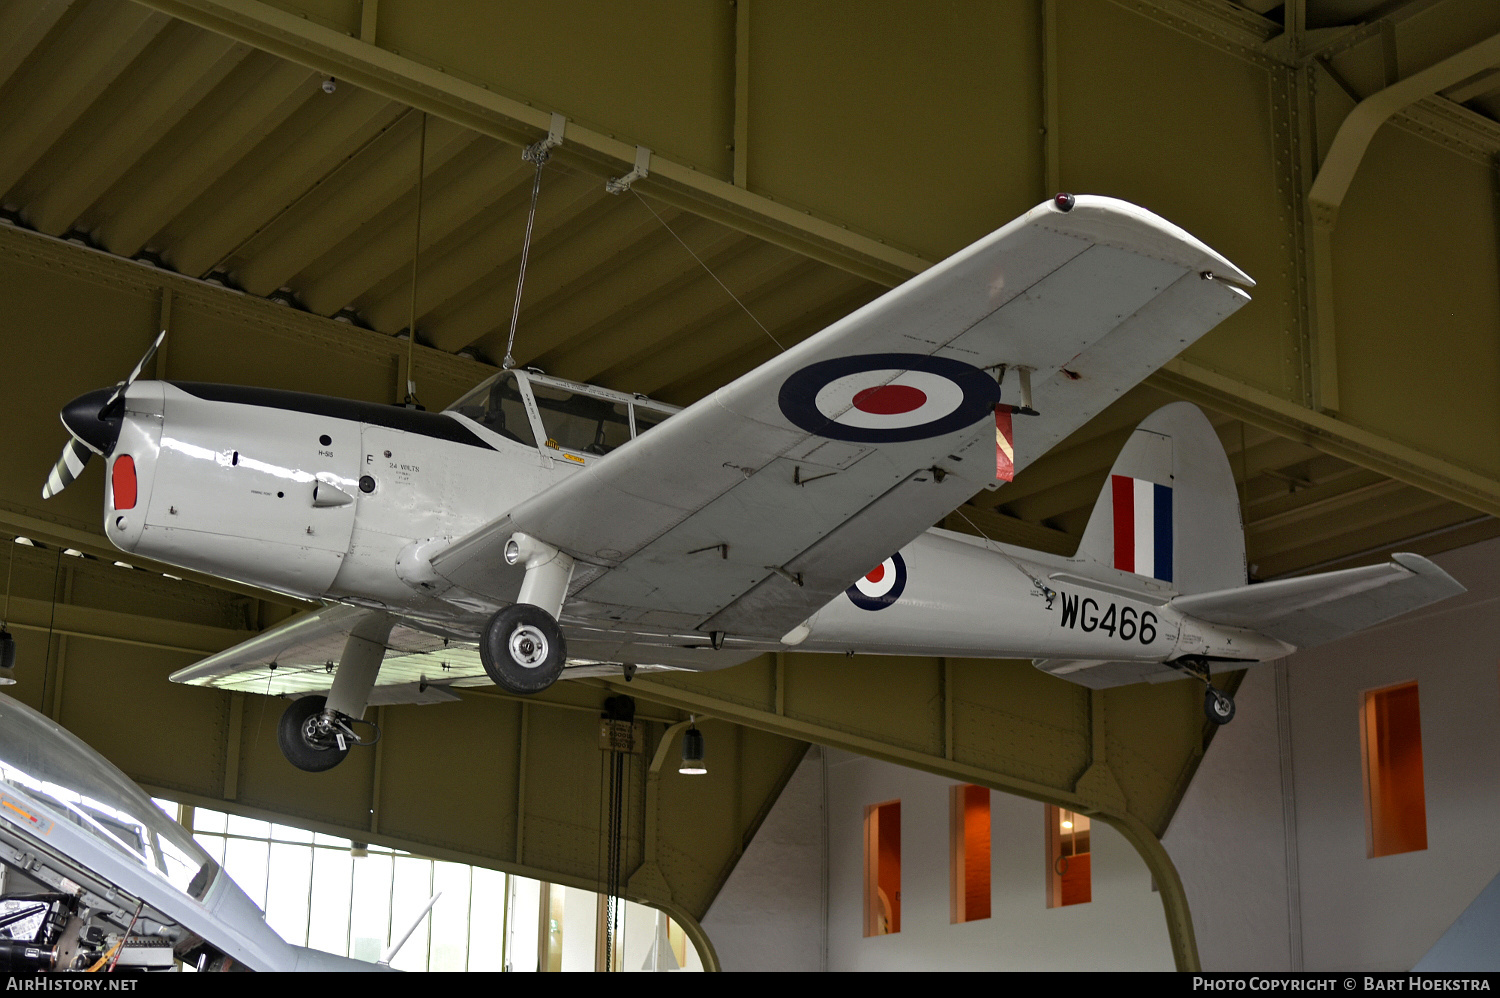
point(540, 528)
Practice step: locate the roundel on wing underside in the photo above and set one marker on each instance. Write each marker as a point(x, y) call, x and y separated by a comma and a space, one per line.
point(881, 586)
point(887, 397)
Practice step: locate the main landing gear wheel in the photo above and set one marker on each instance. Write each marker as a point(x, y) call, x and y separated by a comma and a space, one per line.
point(1218, 705)
point(522, 649)
point(306, 740)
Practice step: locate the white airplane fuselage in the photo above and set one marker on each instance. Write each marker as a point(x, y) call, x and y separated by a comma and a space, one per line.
point(325, 499)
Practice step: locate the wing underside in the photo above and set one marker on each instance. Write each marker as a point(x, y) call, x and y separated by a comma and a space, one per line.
point(298, 658)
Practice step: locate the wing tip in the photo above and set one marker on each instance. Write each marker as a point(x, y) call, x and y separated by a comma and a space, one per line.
point(1109, 219)
point(1425, 567)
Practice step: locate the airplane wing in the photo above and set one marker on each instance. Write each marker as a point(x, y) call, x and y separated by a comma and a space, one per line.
point(760, 503)
point(297, 658)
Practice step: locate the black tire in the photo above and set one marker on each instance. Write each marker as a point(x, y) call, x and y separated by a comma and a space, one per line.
point(1218, 706)
point(300, 751)
point(522, 649)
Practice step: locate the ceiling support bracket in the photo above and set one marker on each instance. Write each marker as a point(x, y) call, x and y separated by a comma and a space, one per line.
point(641, 170)
point(541, 151)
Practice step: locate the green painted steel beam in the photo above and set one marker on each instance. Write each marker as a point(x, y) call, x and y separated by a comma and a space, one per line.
point(338, 53)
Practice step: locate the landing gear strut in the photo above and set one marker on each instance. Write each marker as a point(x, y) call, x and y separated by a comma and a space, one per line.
point(1218, 706)
point(522, 646)
point(315, 733)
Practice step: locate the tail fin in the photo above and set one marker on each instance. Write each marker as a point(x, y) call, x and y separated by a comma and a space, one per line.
point(1169, 509)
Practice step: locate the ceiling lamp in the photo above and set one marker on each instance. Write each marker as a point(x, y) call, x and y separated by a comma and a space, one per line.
point(692, 751)
point(8, 643)
point(7, 658)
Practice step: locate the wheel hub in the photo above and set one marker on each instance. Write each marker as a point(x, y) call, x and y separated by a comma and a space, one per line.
point(318, 732)
point(528, 646)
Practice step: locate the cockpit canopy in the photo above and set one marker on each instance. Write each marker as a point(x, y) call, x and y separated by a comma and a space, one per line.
point(526, 407)
point(43, 764)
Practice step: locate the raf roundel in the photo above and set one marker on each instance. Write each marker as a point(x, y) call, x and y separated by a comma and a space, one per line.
point(881, 587)
point(878, 398)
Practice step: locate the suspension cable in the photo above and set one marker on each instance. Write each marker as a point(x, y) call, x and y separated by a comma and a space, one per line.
point(538, 154)
point(416, 249)
point(705, 266)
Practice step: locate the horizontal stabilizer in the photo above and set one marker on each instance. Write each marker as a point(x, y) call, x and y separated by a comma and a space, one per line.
point(1316, 609)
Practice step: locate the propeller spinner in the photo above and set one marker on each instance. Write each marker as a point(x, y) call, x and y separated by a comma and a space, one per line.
point(93, 421)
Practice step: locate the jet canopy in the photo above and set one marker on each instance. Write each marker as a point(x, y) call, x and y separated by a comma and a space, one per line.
point(45, 767)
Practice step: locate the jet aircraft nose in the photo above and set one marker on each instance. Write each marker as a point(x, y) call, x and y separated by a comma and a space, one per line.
point(85, 419)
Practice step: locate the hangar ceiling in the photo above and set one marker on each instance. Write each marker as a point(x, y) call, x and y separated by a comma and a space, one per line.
point(182, 162)
point(198, 137)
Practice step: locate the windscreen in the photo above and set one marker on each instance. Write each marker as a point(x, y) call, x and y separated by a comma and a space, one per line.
point(646, 419)
point(579, 422)
point(496, 405)
point(49, 765)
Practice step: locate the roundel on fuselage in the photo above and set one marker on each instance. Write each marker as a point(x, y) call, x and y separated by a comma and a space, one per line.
point(881, 587)
point(887, 397)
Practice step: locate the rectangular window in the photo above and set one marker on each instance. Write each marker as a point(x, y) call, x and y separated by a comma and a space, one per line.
point(969, 853)
point(677, 939)
point(1069, 879)
point(550, 932)
point(883, 868)
point(1390, 727)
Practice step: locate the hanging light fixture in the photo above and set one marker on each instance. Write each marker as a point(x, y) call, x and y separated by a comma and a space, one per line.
point(692, 750)
point(7, 658)
point(7, 642)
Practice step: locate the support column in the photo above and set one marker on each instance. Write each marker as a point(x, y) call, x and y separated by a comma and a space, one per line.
point(1174, 900)
point(232, 741)
point(742, 94)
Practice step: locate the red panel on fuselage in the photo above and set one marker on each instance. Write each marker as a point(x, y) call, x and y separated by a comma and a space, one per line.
point(122, 482)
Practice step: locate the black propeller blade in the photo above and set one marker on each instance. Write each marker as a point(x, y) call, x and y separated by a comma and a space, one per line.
point(94, 425)
point(74, 456)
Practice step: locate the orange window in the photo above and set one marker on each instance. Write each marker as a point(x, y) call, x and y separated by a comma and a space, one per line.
point(1390, 727)
point(883, 868)
point(969, 853)
point(1069, 879)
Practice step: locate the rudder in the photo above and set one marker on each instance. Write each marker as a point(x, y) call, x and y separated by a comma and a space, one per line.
point(1169, 509)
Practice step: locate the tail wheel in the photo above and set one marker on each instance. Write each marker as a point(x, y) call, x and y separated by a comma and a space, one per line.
point(1218, 705)
point(303, 739)
point(522, 649)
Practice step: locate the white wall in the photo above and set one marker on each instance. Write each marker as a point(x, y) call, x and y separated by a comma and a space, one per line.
point(1122, 928)
point(580, 922)
point(1228, 841)
point(770, 913)
point(1385, 913)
